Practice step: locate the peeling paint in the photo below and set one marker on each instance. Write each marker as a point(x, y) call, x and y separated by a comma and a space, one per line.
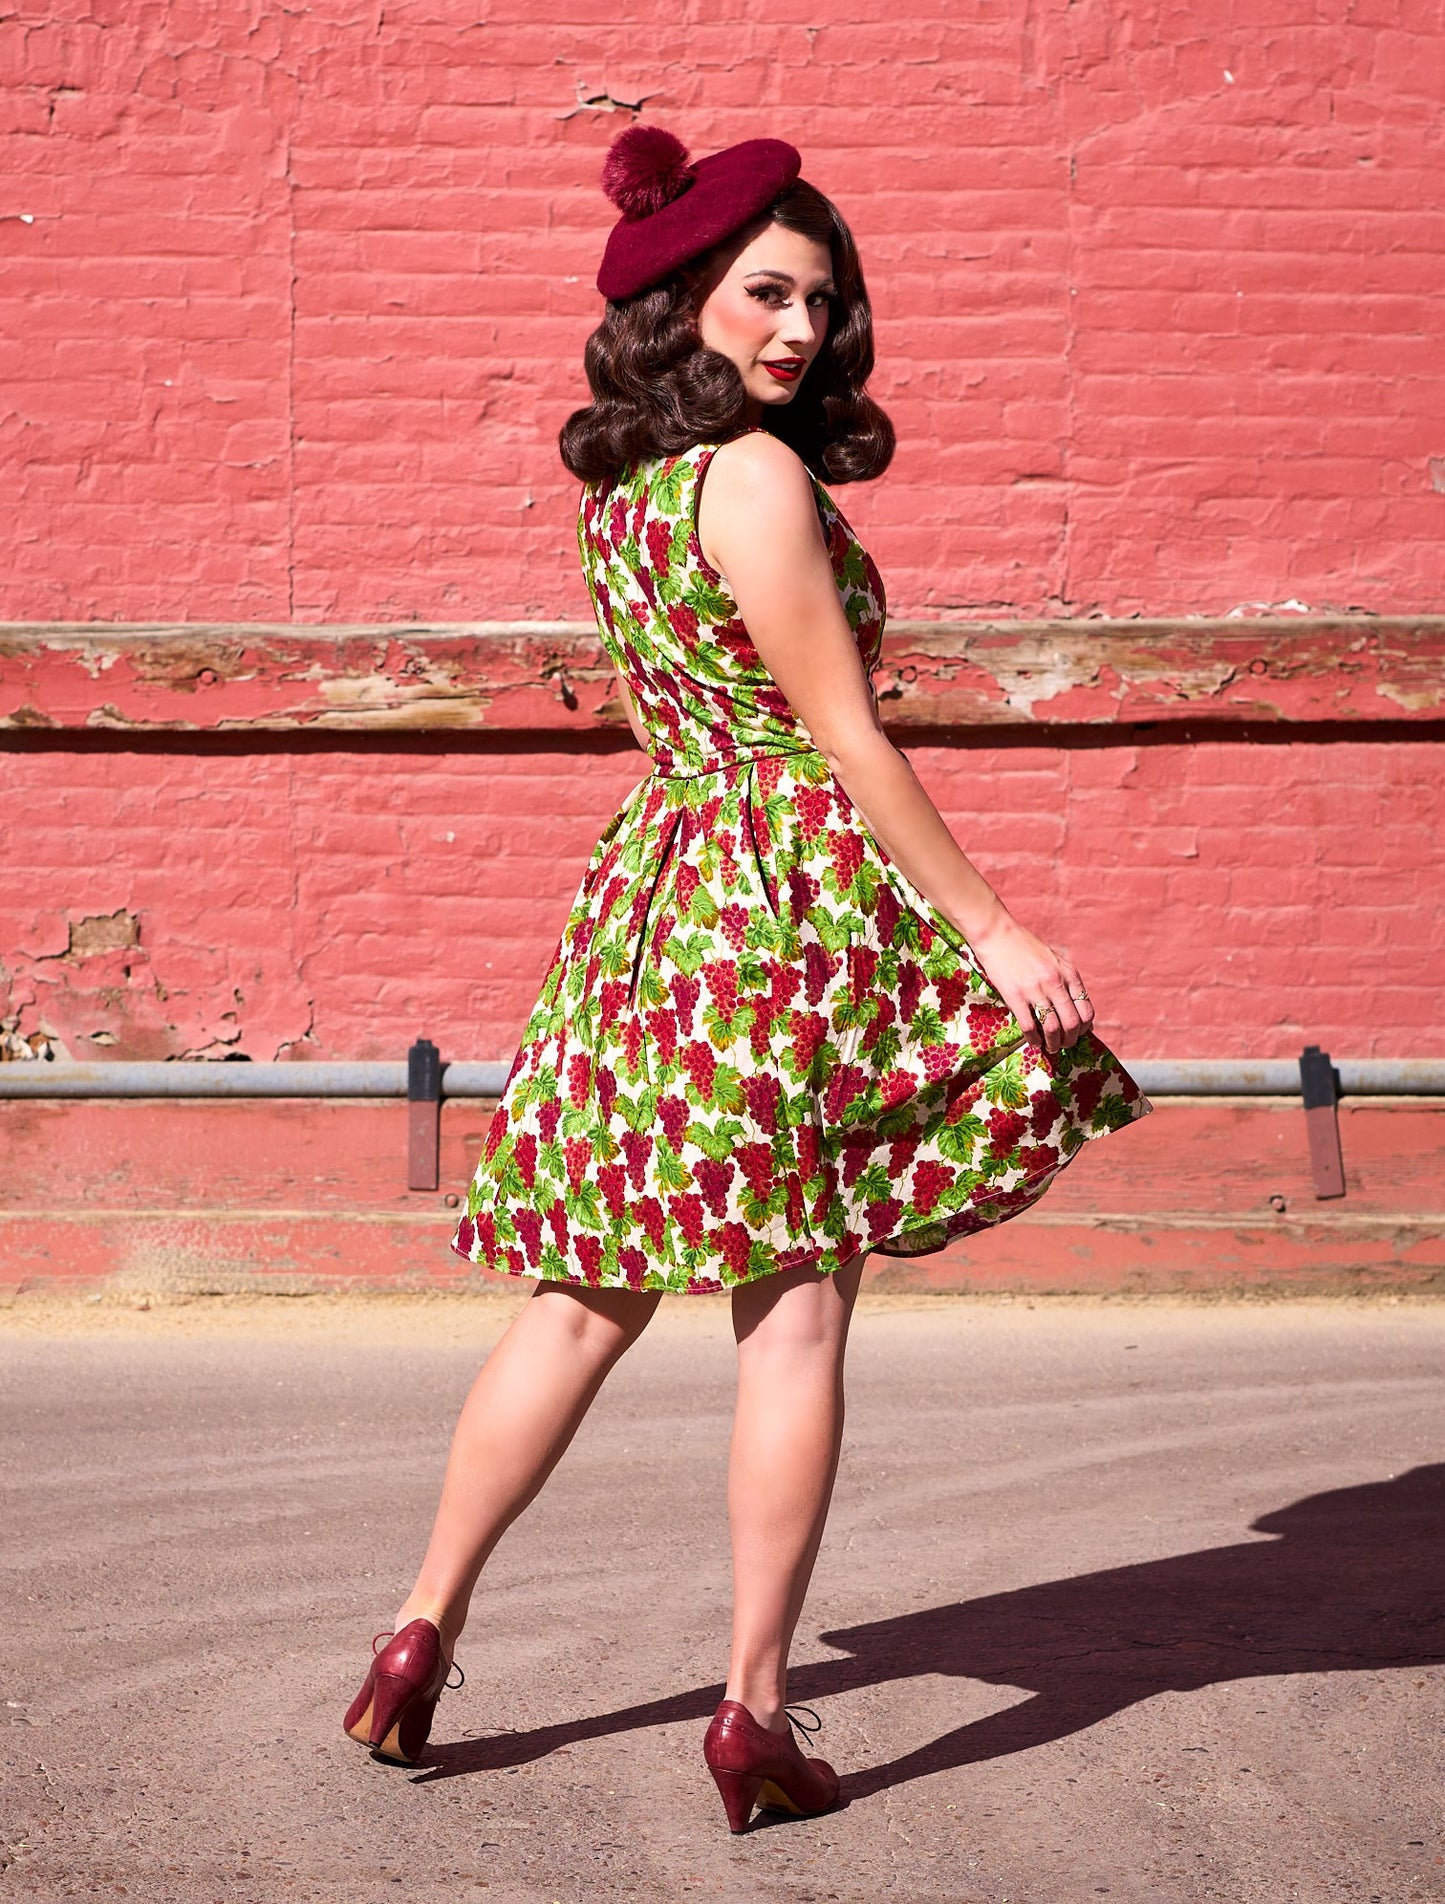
point(506, 677)
point(103, 932)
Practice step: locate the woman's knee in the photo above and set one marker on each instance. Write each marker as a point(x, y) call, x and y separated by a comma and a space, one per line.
point(602, 1322)
point(805, 1316)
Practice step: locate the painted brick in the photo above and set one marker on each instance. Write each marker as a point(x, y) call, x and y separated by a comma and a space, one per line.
point(1228, 899)
point(304, 297)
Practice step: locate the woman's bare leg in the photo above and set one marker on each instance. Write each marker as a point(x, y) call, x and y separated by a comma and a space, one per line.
point(523, 1409)
point(792, 1331)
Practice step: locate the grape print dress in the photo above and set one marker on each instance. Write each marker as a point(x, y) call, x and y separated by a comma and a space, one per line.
point(757, 1045)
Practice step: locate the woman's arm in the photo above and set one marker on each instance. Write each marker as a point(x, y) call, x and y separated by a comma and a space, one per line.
point(758, 524)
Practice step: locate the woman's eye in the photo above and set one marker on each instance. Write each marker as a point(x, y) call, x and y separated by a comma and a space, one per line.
point(769, 294)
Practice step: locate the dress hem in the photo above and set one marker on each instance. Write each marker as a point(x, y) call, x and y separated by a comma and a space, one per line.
point(961, 1223)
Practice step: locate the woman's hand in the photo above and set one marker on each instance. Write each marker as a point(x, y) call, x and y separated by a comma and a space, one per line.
point(1041, 987)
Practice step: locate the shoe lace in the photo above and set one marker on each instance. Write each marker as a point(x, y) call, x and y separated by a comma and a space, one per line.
point(800, 1725)
point(447, 1685)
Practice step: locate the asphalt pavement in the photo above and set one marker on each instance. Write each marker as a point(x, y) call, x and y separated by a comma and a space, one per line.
point(1126, 1601)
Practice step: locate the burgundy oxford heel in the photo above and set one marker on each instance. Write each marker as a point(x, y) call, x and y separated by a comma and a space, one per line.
point(392, 1714)
point(752, 1766)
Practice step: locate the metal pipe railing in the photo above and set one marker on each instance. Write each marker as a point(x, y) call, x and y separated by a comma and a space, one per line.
point(1159, 1077)
point(211, 1080)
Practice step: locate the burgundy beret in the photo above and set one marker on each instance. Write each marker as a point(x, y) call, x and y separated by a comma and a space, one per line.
point(673, 208)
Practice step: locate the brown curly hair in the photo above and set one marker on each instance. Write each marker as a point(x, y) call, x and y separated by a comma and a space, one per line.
point(657, 389)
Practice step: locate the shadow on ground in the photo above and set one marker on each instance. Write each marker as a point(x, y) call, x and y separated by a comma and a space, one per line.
point(1354, 1580)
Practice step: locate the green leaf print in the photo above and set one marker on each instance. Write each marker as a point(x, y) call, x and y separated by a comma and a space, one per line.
point(757, 1206)
point(1113, 1114)
point(940, 961)
point(961, 1192)
point(717, 1141)
point(509, 1181)
point(875, 1184)
point(727, 1088)
point(604, 1145)
point(614, 957)
point(672, 1173)
point(864, 890)
point(1005, 1084)
point(958, 1143)
point(836, 931)
point(753, 974)
point(667, 489)
point(706, 602)
point(541, 1088)
point(690, 951)
point(777, 813)
point(849, 1015)
point(885, 1048)
point(651, 988)
point(760, 1258)
point(584, 1203)
point(639, 1113)
point(723, 1032)
point(814, 1074)
point(926, 1027)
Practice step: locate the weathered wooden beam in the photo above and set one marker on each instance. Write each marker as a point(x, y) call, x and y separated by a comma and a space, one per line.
point(509, 676)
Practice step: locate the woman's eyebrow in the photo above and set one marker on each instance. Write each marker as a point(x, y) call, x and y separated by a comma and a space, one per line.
point(784, 277)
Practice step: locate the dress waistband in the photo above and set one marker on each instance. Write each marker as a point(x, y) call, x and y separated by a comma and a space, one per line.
point(737, 760)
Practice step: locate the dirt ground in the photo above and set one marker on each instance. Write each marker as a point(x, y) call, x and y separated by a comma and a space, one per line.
point(1124, 1600)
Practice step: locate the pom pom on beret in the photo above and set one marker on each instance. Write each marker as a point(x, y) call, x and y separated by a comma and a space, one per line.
point(646, 168)
point(675, 207)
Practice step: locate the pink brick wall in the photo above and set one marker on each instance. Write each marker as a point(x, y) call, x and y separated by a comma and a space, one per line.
point(294, 304)
point(295, 298)
point(1224, 899)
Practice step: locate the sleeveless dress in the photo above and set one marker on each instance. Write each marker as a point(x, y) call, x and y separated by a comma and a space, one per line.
point(757, 1045)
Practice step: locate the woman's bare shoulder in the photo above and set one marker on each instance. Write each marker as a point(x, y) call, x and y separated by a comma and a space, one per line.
point(757, 473)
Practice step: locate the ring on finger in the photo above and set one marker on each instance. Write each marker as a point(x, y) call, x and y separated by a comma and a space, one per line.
point(1045, 1010)
point(1080, 997)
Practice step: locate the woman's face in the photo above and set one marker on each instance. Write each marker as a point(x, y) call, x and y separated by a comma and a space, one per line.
point(770, 308)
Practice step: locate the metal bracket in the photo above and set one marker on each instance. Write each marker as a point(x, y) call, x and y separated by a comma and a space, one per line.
point(423, 1115)
point(1320, 1087)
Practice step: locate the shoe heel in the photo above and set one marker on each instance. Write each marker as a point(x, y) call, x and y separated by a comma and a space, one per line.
point(406, 1741)
point(739, 1792)
point(388, 1699)
point(773, 1798)
point(357, 1723)
point(397, 1716)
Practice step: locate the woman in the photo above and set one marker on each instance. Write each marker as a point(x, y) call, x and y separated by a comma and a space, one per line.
point(787, 1021)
